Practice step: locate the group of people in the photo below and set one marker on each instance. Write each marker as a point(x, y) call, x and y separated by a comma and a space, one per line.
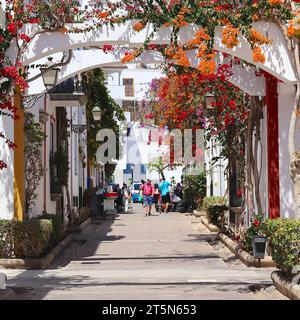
point(124, 197)
point(164, 194)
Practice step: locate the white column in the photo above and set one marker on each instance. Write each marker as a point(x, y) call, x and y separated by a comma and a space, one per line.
point(286, 98)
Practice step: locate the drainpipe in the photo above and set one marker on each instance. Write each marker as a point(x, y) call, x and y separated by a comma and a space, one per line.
point(45, 158)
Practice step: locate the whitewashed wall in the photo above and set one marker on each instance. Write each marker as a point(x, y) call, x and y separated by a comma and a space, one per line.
point(50, 205)
point(7, 175)
point(286, 105)
point(216, 174)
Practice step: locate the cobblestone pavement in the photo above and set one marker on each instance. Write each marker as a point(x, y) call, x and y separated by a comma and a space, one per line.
point(167, 256)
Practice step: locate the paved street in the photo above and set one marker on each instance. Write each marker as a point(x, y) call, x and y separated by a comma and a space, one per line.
point(164, 256)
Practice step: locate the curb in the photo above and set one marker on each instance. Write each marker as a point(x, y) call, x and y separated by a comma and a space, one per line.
point(292, 291)
point(79, 228)
point(41, 263)
point(244, 256)
point(198, 214)
point(209, 226)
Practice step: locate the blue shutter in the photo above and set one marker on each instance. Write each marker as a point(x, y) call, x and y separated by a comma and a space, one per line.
point(143, 169)
point(127, 170)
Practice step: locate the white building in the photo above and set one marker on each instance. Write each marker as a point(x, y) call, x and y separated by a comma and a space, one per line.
point(128, 86)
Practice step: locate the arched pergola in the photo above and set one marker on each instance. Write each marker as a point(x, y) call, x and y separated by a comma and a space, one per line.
point(279, 65)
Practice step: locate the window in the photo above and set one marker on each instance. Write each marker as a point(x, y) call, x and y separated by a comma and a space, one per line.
point(143, 169)
point(129, 90)
point(127, 170)
point(132, 107)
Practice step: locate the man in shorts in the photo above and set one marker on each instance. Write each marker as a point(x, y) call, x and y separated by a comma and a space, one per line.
point(148, 193)
point(164, 189)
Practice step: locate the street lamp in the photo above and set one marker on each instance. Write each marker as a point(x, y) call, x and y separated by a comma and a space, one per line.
point(132, 166)
point(49, 75)
point(97, 113)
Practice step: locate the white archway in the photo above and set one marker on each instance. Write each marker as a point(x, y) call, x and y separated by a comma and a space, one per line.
point(84, 60)
point(279, 62)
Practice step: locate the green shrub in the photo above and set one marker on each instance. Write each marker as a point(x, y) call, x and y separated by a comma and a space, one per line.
point(213, 201)
point(27, 239)
point(6, 241)
point(58, 226)
point(284, 239)
point(194, 189)
point(32, 238)
point(216, 215)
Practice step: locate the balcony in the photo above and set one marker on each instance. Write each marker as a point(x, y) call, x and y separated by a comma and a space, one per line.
point(68, 93)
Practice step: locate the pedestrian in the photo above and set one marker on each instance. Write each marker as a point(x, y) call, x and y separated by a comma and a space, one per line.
point(119, 201)
point(95, 203)
point(156, 193)
point(100, 193)
point(141, 191)
point(164, 189)
point(179, 190)
point(126, 197)
point(148, 192)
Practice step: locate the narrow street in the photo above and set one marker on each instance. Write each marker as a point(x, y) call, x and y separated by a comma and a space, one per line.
point(165, 256)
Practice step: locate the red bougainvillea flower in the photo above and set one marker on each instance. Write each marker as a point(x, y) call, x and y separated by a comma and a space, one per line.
point(107, 48)
point(12, 28)
point(239, 193)
point(3, 165)
point(25, 37)
point(256, 222)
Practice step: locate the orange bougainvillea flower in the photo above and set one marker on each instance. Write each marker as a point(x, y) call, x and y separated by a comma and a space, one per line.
point(181, 58)
point(291, 31)
point(138, 26)
point(258, 56)
point(202, 50)
point(103, 14)
point(207, 67)
point(128, 57)
point(202, 35)
point(230, 36)
point(258, 38)
point(170, 52)
point(275, 2)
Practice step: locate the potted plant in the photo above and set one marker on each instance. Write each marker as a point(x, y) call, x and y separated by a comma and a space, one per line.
point(256, 237)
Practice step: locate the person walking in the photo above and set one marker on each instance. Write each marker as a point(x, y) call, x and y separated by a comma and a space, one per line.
point(148, 193)
point(141, 191)
point(126, 197)
point(100, 193)
point(156, 196)
point(164, 189)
